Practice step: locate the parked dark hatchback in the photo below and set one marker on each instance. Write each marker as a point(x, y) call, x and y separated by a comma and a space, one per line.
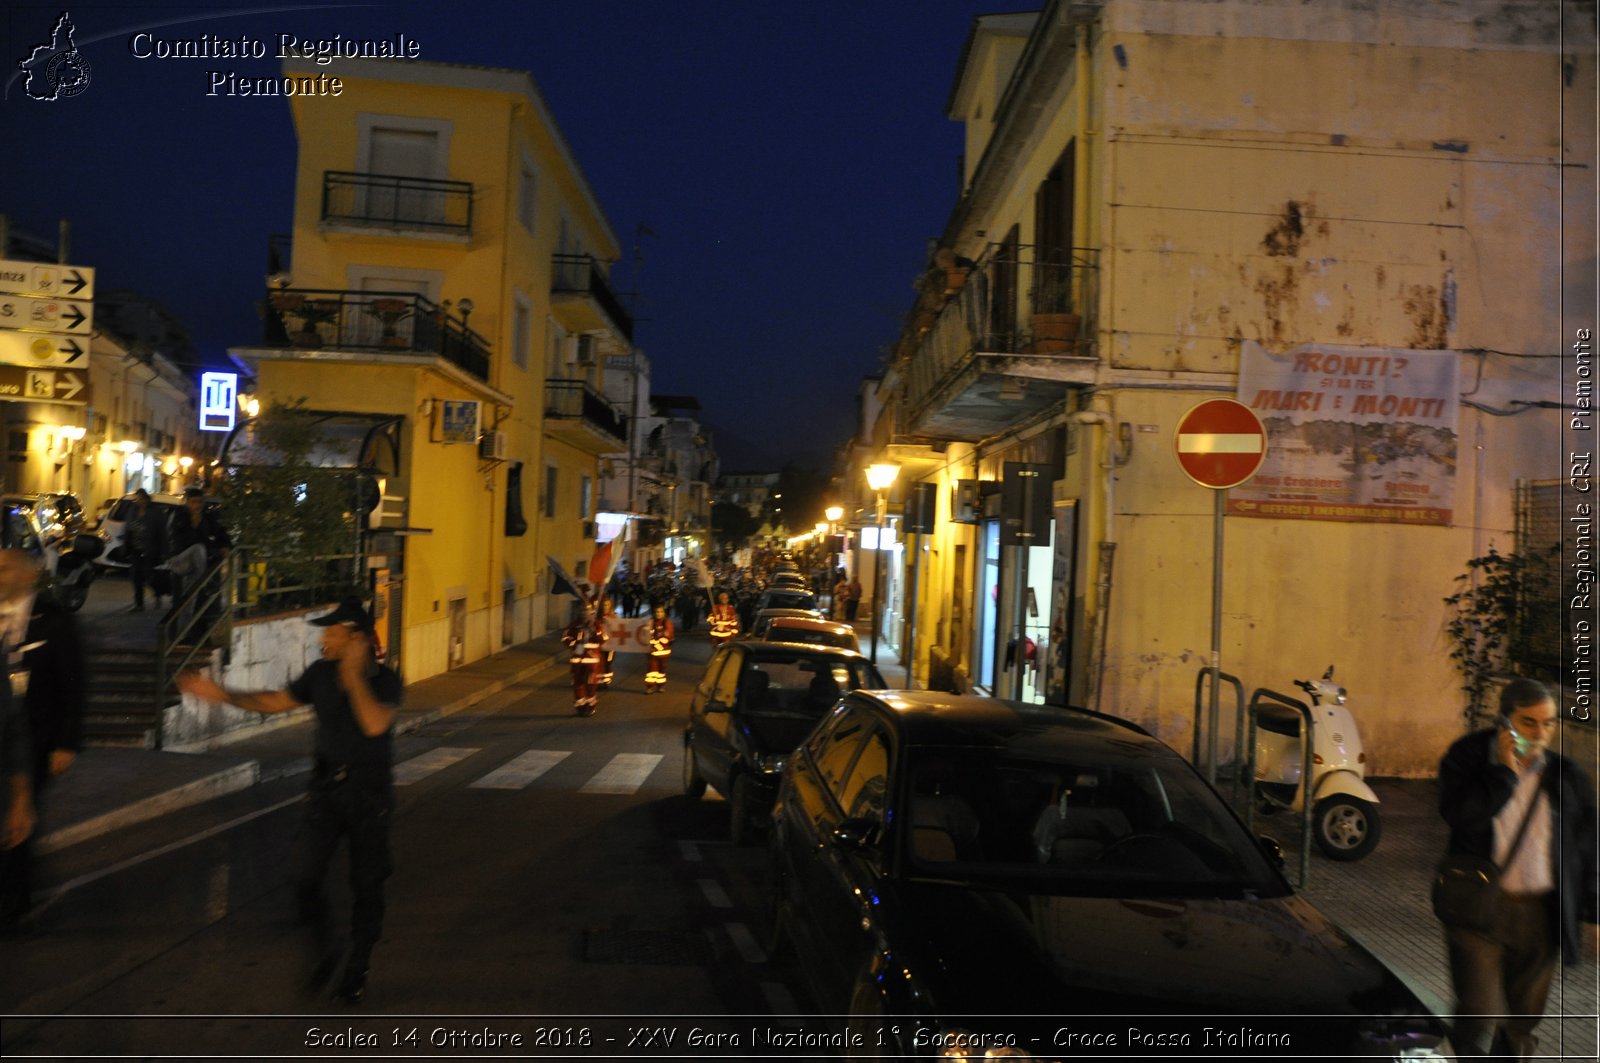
point(953, 867)
point(754, 704)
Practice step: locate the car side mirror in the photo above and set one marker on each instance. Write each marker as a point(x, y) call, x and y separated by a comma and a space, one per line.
point(713, 705)
point(1273, 851)
point(857, 834)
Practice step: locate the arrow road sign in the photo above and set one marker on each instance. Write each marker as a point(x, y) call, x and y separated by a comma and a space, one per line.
point(32, 313)
point(1220, 443)
point(51, 281)
point(35, 350)
point(21, 384)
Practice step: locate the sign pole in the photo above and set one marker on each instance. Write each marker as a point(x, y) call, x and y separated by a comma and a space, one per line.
point(1219, 505)
point(1219, 444)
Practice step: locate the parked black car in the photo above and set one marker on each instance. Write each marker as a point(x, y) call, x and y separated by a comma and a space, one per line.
point(952, 867)
point(754, 704)
point(787, 599)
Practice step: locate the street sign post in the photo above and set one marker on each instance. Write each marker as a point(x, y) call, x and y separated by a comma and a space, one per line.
point(1219, 444)
point(21, 384)
point(33, 350)
point(48, 280)
point(33, 313)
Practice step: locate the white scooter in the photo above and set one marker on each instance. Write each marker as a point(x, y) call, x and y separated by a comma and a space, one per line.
point(1344, 819)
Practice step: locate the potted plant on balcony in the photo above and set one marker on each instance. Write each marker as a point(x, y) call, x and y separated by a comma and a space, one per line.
point(311, 313)
point(1054, 325)
point(390, 312)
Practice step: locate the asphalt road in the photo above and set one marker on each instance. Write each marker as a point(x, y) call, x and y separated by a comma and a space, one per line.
point(552, 884)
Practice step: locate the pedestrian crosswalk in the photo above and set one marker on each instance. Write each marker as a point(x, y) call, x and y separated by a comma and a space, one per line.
point(625, 773)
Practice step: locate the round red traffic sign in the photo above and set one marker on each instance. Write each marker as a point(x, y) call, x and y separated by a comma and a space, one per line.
point(1220, 443)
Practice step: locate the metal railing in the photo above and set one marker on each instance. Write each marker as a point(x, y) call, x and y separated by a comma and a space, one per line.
point(239, 586)
point(397, 202)
point(392, 322)
point(576, 400)
point(1004, 304)
point(582, 273)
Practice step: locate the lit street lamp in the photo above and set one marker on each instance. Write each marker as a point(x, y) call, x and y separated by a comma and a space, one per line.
point(880, 478)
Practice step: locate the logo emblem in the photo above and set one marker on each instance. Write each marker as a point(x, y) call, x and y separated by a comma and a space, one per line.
point(57, 70)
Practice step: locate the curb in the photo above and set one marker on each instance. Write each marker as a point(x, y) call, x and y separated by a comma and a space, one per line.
point(238, 777)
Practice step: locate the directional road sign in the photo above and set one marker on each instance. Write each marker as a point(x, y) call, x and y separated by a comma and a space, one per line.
point(35, 350)
point(32, 313)
point(1220, 443)
point(21, 384)
point(53, 281)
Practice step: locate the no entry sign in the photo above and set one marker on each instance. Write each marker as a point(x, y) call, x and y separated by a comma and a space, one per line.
point(1220, 443)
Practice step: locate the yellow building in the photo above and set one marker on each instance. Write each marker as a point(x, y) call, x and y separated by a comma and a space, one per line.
point(448, 291)
point(1348, 216)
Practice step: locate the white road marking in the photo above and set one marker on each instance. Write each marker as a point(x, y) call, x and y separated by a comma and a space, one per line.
point(517, 773)
point(624, 775)
point(420, 767)
point(170, 847)
point(745, 942)
point(779, 999)
point(715, 894)
point(217, 894)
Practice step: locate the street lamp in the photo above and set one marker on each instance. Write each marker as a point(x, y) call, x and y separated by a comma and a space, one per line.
point(880, 478)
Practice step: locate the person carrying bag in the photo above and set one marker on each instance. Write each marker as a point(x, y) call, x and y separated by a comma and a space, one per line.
point(1518, 889)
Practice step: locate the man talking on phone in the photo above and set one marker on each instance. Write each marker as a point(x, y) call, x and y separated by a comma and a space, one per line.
point(352, 783)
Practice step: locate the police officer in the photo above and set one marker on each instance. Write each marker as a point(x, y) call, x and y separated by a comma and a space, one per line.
point(352, 786)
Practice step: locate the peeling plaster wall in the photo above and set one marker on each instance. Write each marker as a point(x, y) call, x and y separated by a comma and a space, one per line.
point(1367, 173)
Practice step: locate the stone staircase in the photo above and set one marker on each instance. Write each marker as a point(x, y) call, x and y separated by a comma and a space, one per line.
point(121, 708)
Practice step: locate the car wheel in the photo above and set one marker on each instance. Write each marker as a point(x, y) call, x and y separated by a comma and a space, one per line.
point(1346, 828)
point(72, 598)
point(694, 787)
point(742, 826)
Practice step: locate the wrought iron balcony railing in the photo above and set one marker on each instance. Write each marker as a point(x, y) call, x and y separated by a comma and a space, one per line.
point(583, 275)
point(417, 203)
point(391, 322)
point(1006, 304)
point(575, 400)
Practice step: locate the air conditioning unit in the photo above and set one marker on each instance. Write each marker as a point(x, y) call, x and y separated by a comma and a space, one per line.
point(493, 446)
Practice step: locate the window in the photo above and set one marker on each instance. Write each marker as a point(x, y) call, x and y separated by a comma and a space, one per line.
point(727, 688)
point(839, 750)
point(527, 196)
point(550, 490)
point(585, 496)
point(521, 331)
point(554, 347)
point(867, 786)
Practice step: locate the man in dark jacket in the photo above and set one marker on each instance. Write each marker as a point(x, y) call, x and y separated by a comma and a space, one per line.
point(1489, 783)
point(352, 781)
point(45, 669)
point(144, 537)
point(195, 527)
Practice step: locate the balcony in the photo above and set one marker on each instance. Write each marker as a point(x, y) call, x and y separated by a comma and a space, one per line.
point(582, 299)
point(990, 347)
point(576, 413)
point(400, 204)
point(390, 323)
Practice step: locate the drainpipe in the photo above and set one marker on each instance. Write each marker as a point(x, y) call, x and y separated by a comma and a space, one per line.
point(1108, 544)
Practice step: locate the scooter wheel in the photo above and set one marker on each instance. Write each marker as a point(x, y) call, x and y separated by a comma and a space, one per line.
point(1346, 828)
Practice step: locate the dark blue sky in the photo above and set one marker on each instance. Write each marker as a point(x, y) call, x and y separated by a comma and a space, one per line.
point(793, 160)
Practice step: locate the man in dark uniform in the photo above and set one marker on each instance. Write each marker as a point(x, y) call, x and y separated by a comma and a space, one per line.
point(45, 667)
point(352, 783)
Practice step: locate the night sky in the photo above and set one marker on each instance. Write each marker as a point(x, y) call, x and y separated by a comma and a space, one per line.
point(792, 159)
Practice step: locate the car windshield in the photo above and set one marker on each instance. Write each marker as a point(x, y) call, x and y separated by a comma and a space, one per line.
point(800, 685)
point(1113, 826)
point(790, 600)
point(814, 636)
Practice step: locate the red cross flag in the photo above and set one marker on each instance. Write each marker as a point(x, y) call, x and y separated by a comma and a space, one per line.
point(1220, 443)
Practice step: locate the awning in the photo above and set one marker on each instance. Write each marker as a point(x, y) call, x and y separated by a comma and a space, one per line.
point(366, 441)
